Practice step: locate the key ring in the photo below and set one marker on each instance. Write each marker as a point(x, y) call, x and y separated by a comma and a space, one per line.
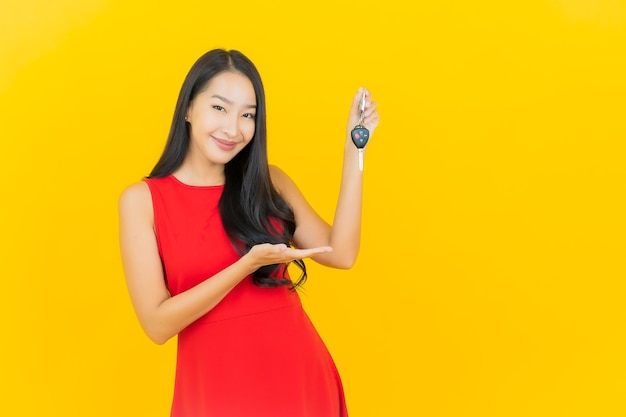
point(362, 106)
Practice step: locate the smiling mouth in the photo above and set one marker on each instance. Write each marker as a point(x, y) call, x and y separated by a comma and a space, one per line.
point(226, 145)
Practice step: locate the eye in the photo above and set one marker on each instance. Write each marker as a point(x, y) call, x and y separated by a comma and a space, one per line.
point(219, 108)
point(249, 116)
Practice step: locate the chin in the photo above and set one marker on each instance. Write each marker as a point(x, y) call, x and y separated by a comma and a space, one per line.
point(222, 159)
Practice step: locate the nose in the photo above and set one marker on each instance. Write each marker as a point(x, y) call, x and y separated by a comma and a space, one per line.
point(231, 125)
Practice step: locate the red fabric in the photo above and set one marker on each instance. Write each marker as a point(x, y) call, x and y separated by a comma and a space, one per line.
point(256, 354)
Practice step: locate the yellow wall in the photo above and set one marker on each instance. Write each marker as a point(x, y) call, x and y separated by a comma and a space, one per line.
point(491, 277)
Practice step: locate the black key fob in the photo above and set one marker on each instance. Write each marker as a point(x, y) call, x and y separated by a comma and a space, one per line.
point(360, 136)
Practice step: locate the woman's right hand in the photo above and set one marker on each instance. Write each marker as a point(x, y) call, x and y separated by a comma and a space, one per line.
point(268, 254)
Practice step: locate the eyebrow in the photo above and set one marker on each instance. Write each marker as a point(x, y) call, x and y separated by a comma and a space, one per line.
point(227, 101)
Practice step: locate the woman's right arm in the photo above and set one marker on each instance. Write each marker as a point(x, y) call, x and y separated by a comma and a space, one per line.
point(161, 315)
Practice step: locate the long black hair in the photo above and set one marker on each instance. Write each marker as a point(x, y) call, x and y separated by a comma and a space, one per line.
point(252, 211)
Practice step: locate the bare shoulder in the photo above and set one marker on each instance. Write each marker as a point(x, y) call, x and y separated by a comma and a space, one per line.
point(280, 179)
point(287, 188)
point(136, 198)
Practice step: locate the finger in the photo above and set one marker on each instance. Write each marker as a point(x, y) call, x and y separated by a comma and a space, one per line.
point(272, 248)
point(306, 253)
point(371, 116)
point(371, 108)
point(356, 100)
point(280, 247)
point(357, 97)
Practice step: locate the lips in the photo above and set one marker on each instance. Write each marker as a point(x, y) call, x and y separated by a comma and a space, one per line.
point(225, 145)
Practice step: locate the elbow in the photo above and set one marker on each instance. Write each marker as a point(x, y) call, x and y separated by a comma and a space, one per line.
point(344, 257)
point(337, 262)
point(159, 340)
point(157, 325)
point(156, 334)
point(345, 265)
point(345, 262)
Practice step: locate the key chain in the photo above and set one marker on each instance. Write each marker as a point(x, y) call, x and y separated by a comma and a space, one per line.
point(360, 134)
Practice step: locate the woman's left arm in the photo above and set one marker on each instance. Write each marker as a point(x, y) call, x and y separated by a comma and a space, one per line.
point(344, 235)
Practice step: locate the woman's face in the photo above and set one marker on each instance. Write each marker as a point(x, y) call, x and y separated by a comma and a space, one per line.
point(222, 118)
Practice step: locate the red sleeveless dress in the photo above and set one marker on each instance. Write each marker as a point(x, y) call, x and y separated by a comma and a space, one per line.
point(255, 354)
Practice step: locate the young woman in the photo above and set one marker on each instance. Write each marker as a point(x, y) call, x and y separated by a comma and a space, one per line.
point(205, 242)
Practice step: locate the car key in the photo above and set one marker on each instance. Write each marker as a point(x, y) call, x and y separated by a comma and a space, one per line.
point(360, 134)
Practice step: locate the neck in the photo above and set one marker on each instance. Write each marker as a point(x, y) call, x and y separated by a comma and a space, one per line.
point(200, 174)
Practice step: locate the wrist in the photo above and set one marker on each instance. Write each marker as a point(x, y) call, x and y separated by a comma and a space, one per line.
point(248, 264)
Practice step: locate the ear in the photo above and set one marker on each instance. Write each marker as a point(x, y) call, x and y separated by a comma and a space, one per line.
point(187, 113)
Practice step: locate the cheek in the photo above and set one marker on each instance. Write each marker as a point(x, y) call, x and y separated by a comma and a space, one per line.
point(200, 124)
point(248, 131)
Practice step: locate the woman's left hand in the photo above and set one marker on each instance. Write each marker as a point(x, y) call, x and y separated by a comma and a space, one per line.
point(370, 120)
